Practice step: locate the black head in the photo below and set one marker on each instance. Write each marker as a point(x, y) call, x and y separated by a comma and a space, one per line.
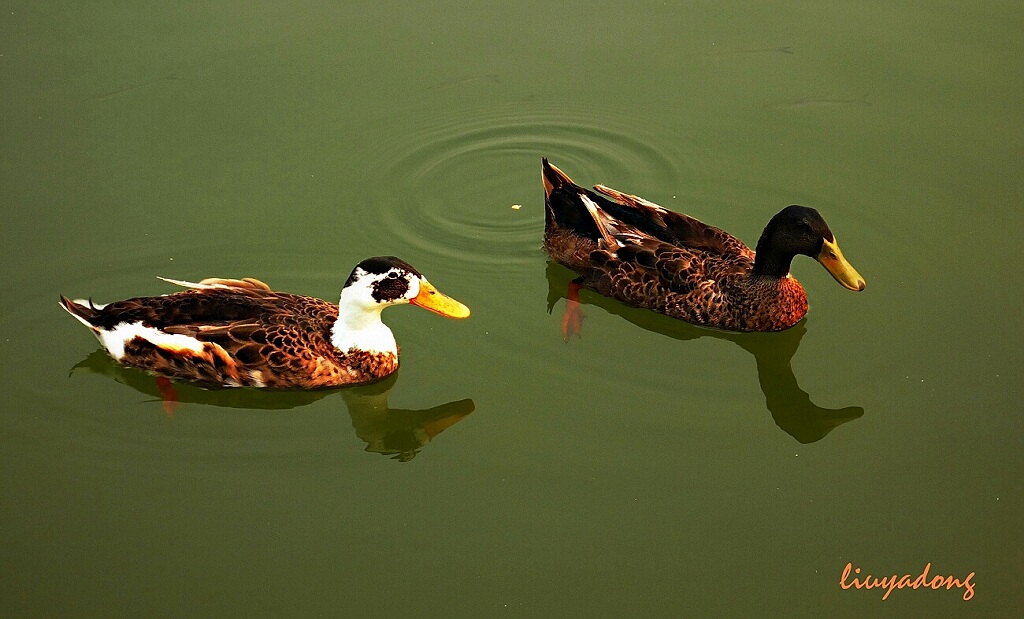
point(796, 230)
point(801, 230)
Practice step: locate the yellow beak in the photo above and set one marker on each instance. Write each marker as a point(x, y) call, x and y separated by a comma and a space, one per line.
point(430, 299)
point(834, 262)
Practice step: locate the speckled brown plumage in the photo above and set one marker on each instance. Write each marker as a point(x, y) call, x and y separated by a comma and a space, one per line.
point(642, 254)
point(240, 333)
point(252, 336)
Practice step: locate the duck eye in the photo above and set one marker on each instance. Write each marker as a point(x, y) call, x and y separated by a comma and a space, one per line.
point(392, 275)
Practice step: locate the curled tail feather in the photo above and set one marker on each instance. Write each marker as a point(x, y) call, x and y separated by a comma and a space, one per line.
point(85, 311)
point(249, 283)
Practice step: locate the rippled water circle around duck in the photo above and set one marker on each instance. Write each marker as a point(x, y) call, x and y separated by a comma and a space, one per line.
point(470, 189)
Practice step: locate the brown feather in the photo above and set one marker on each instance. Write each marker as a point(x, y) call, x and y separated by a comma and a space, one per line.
point(251, 335)
point(246, 282)
point(668, 262)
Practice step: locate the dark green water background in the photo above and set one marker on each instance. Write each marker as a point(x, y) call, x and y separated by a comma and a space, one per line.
point(648, 468)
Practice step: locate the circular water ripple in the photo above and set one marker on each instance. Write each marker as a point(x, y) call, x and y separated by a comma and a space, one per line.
point(452, 189)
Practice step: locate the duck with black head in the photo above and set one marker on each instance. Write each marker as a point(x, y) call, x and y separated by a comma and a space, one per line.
point(625, 247)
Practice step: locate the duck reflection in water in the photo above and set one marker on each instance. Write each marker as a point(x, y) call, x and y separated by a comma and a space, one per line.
point(790, 406)
point(394, 432)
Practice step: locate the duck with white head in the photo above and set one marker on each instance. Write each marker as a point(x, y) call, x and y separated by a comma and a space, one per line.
point(239, 332)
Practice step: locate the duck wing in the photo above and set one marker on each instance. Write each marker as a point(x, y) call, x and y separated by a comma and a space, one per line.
point(274, 339)
point(683, 231)
point(652, 273)
point(218, 333)
point(634, 250)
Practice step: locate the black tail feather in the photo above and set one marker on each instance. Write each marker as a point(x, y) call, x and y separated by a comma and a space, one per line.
point(85, 313)
point(564, 209)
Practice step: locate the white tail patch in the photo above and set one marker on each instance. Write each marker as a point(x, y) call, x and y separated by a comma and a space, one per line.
point(114, 340)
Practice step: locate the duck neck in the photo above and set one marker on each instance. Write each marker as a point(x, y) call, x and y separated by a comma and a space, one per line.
point(770, 263)
point(360, 328)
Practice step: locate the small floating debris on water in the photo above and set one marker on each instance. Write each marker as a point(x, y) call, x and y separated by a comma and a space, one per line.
point(516, 207)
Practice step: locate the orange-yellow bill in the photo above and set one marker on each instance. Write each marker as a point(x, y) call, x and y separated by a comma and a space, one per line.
point(429, 298)
point(834, 262)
